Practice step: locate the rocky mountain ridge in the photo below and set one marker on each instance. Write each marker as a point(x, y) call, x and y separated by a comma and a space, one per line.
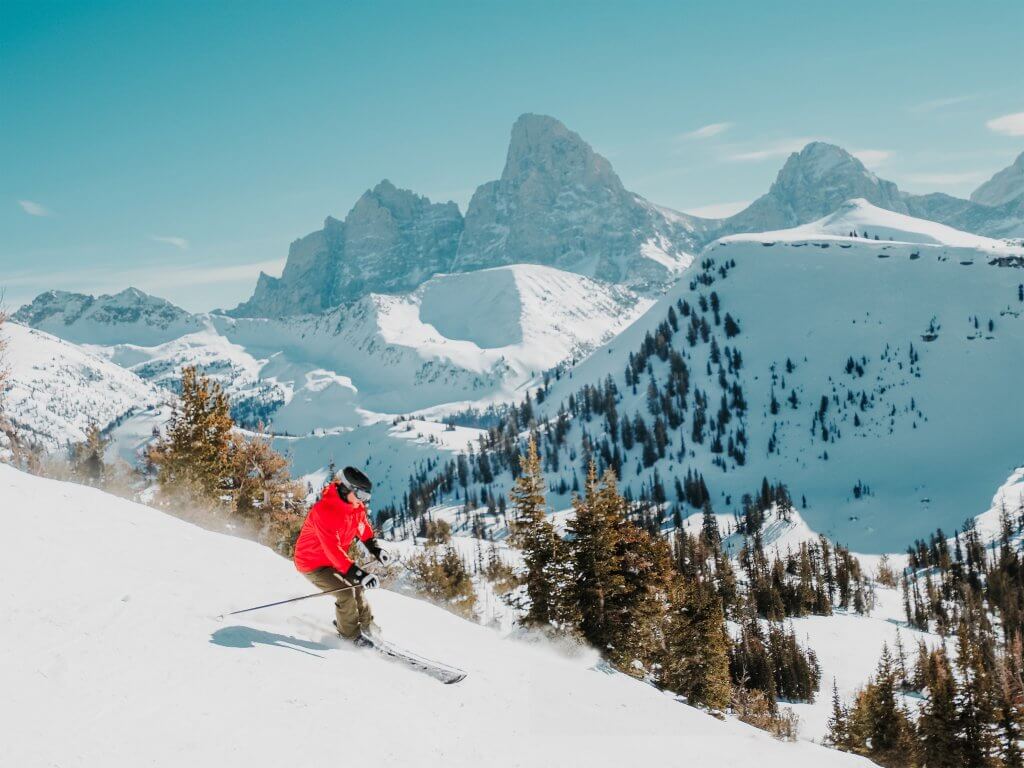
point(558, 203)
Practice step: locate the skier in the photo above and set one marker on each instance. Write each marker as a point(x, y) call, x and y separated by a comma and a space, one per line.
point(333, 523)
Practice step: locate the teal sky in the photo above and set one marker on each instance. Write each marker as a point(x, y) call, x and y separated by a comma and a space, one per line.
point(179, 147)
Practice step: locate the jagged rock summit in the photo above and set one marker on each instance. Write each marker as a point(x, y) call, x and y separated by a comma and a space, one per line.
point(558, 203)
point(391, 241)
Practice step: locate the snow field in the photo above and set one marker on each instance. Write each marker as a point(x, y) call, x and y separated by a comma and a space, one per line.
point(117, 660)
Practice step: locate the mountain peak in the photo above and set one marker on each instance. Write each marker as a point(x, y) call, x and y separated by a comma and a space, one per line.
point(813, 183)
point(542, 145)
point(1006, 185)
point(819, 159)
point(129, 316)
point(559, 203)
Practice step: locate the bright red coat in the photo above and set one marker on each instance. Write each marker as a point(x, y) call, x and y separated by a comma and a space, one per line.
point(330, 528)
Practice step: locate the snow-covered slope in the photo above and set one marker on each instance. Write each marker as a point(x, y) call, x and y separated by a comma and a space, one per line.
point(57, 389)
point(470, 337)
point(123, 664)
point(1009, 499)
point(896, 337)
point(859, 218)
point(325, 382)
point(253, 396)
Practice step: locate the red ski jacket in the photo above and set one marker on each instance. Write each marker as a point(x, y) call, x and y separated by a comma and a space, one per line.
point(331, 526)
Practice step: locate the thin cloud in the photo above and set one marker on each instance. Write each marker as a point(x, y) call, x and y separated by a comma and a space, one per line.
point(935, 104)
point(778, 149)
point(206, 275)
point(718, 210)
point(1008, 125)
point(178, 242)
point(947, 179)
point(151, 280)
point(33, 208)
point(872, 158)
point(706, 131)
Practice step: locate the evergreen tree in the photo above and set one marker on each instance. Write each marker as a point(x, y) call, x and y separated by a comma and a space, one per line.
point(87, 457)
point(838, 725)
point(977, 715)
point(696, 660)
point(193, 459)
point(879, 727)
point(598, 577)
point(937, 723)
point(263, 493)
point(543, 550)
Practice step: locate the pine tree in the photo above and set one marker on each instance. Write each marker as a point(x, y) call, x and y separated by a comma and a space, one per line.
point(879, 727)
point(696, 660)
point(87, 457)
point(598, 575)
point(263, 494)
point(8, 437)
point(976, 706)
point(838, 725)
point(193, 459)
point(543, 550)
point(937, 723)
point(638, 610)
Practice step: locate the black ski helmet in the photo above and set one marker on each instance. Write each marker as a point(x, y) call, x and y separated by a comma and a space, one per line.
point(355, 481)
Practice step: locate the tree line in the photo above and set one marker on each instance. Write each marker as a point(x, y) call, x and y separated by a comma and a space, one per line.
point(655, 607)
point(972, 712)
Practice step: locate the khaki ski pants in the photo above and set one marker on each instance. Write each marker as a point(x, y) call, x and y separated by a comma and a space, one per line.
point(351, 610)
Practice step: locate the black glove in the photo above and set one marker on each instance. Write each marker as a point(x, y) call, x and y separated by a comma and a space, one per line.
point(375, 549)
point(361, 578)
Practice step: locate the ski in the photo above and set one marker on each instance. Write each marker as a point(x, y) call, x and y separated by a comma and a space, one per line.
point(446, 674)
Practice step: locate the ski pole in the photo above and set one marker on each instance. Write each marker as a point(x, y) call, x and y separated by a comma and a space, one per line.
point(290, 600)
point(304, 597)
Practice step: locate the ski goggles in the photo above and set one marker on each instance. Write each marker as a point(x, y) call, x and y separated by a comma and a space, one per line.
point(359, 493)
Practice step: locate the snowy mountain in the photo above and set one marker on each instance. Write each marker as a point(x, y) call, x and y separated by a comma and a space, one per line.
point(459, 338)
point(391, 241)
point(1005, 186)
point(472, 337)
point(813, 183)
point(127, 664)
point(558, 203)
point(329, 385)
point(130, 316)
point(842, 365)
point(253, 396)
point(821, 177)
point(56, 389)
